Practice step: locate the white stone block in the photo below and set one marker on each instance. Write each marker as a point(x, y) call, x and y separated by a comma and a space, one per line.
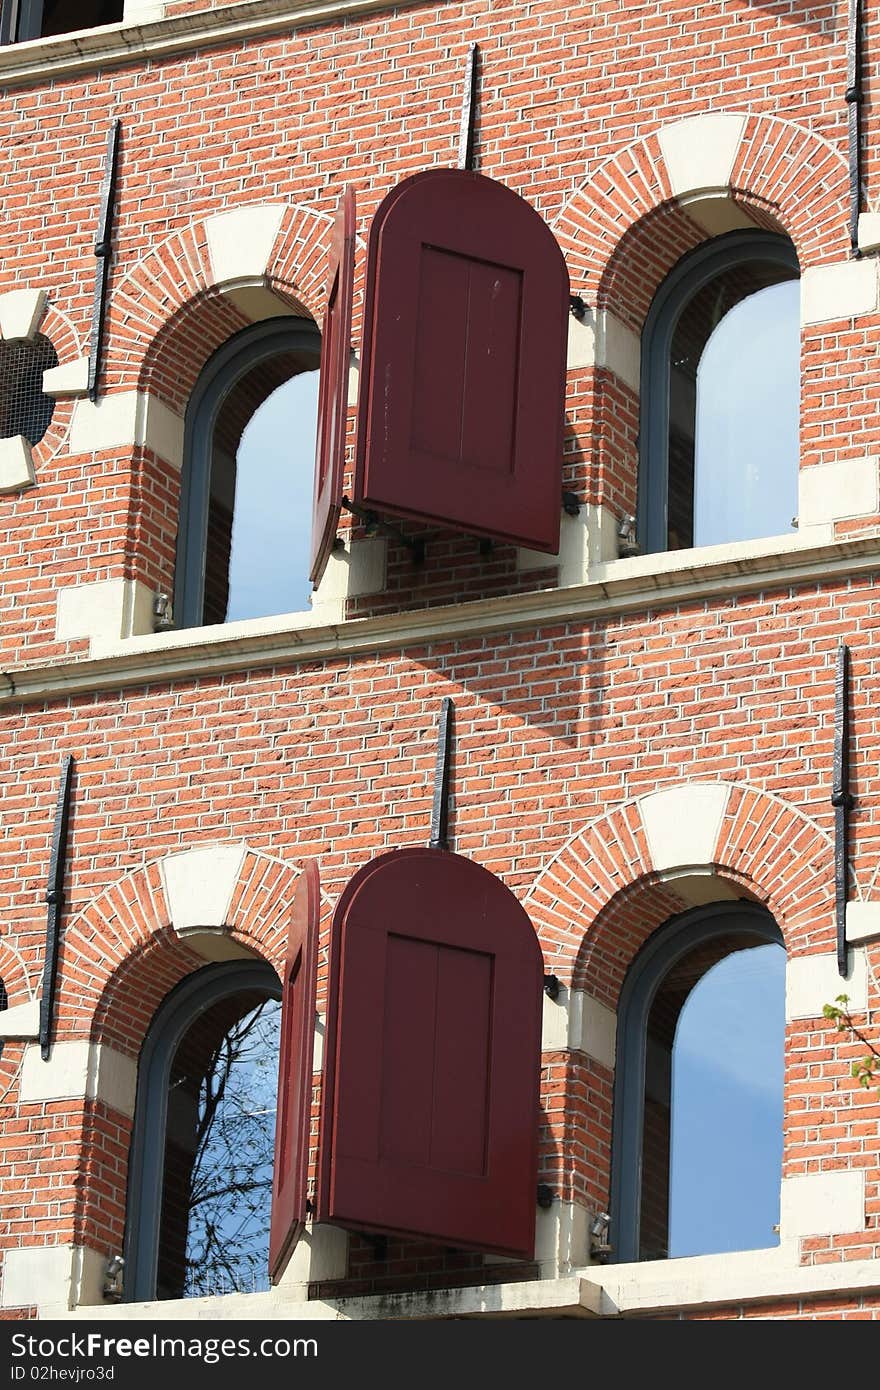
point(592, 1028)
point(554, 1022)
point(21, 1021)
point(581, 341)
point(869, 231)
point(578, 1021)
point(124, 419)
point(16, 464)
point(142, 11)
point(811, 982)
point(320, 1254)
point(862, 922)
point(64, 1076)
point(87, 1277)
point(112, 1078)
point(818, 1204)
point(36, 1276)
point(104, 611)
point(832, 491)
point(199, 884)
point(21, 312)
point(68, 379)
point(77, 1070)
point(356, 568)
point(109, 423)
point(716, 213)
point(700, 151)
point(682, 823)
point(588, 539)
point(240, 242)
point(619, 349)
point(842, 291)
point(562, 1238)
point(259, 302)
point(601, 340)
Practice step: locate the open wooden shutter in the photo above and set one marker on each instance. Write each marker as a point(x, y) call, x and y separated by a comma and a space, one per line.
point(462, 393)
point(429, 1122)
point(333, 387)
point(293, 1115)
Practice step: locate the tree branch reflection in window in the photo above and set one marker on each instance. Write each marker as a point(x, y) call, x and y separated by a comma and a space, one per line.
point(219, 1147)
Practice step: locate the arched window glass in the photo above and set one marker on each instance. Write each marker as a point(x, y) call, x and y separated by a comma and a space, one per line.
point(200, 1182)
point(720, 396)
point(269, 561)
point(726, 1123)
point(708, 981)
point(249, 448)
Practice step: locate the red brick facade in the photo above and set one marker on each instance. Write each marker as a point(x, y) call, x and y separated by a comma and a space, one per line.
point(571, 705)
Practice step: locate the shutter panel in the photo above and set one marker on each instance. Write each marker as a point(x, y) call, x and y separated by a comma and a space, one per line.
point(429, 1123)
point(462, 394)
point(293, 1115)
point(333, 388)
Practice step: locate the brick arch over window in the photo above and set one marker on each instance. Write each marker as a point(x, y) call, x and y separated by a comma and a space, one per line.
point(121, 957)
point(783, 176)
point(185, 298)
point(638, 215)
point(124, 953)
point(195, 289)
point(616, 881)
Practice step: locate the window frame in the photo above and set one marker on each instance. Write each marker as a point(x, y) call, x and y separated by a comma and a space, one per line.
point(21, 21)
point(217, 379)
point(691, 274)
point(661, 952)
point(146, 1168)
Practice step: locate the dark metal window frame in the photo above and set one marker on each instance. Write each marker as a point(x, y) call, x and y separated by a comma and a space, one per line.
point(192, 997)
point(692, 273)
point(22, 21)
point(663, 950)
point(221, 374)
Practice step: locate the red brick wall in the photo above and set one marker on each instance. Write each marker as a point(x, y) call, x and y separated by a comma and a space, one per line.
point(557, 729)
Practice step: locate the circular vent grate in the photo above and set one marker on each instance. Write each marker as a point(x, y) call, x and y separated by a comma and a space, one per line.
point(24, 406)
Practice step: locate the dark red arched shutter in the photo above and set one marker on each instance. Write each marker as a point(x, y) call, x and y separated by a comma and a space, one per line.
point(333, 387)
point(293, 1114)
point(462, 393)
point(429, 1122)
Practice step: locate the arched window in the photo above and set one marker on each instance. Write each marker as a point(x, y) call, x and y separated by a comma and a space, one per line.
point(246, 490)
point(200, 1172)
point(718, 446)
point(698, 1087)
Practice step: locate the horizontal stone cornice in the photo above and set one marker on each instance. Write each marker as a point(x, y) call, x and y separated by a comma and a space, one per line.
point(622, 586)
point(111, 45)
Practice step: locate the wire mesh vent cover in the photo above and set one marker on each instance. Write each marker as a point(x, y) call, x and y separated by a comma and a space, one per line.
point(24, 406)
